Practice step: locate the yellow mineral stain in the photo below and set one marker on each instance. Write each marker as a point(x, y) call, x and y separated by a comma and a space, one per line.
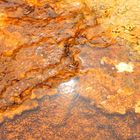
point(107, 60)
point(137, 107)
point(125, 67)
point(36, 2)
point(22, 75)
point(125, 91)
point(46, 92)
point(8, 53)
point(32, 2)
point(3, 18)
point(109, 107)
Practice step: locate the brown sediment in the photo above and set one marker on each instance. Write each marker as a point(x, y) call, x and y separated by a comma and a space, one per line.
point(69, 61)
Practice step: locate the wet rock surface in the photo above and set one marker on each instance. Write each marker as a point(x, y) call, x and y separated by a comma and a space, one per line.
point(68, 71)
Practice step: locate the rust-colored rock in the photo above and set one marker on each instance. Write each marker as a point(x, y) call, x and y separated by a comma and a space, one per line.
point(69, 69)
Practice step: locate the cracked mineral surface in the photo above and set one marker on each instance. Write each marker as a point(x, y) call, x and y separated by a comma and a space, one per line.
point(69, 69)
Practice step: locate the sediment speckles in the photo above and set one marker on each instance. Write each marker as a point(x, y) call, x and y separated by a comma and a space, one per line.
point(74, 64)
